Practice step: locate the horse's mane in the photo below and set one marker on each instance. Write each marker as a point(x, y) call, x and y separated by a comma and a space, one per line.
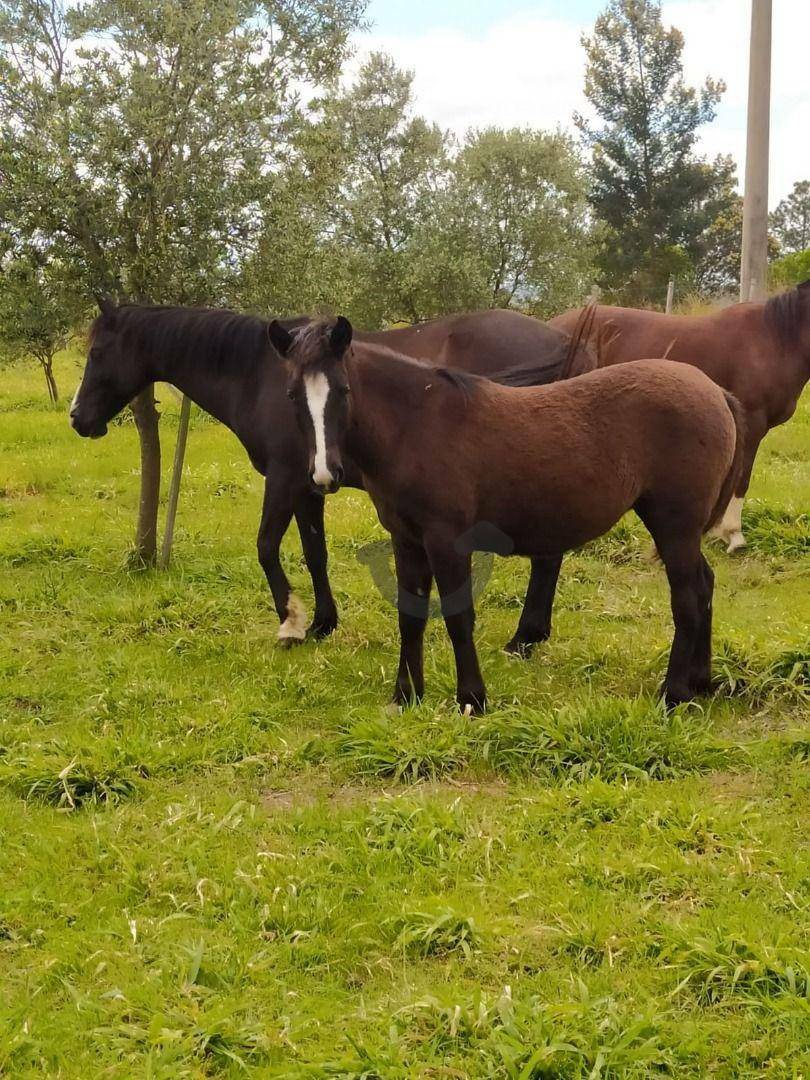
point(215, 338)
point(787, 314)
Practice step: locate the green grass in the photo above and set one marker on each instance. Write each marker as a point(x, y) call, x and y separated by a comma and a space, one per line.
point(222, 858)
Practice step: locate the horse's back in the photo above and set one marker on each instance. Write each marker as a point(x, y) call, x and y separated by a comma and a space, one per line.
point(484, 342)
point(723, 343)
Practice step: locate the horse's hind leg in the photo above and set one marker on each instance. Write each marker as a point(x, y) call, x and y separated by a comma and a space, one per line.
point(413, 601)
point(276, 517)
point(535, 619)
point(702, 658)
point(678, 544)
point(309, 518)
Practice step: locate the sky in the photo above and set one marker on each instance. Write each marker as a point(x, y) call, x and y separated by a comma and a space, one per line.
point(479, 62)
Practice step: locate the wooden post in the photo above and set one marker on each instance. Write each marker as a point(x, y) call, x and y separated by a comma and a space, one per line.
point(670, 295)
point(754, 269)
point(174, 487)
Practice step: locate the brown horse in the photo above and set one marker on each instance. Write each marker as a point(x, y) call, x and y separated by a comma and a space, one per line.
point(225, 363)
point(449, 459)
point(760, 352)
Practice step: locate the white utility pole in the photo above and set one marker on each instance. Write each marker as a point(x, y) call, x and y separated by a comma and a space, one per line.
point(754, 270)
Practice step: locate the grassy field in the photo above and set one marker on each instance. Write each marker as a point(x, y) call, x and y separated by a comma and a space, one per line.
point(219, 857)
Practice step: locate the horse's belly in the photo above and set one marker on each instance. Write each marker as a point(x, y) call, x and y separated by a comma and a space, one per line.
point(538, 528)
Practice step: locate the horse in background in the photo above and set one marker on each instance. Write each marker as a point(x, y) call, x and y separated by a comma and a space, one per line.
point(444, 453)
point(226, 364)
point(760, 352)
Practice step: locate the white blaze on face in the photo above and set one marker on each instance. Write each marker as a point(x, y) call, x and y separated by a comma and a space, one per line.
point(75, 401)
point(316, 388)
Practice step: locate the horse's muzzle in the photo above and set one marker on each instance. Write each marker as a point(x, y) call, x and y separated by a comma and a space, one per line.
point(332, 486)
point(87, 431)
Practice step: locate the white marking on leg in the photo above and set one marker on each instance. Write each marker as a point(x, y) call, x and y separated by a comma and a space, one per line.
point(732, 525)
point(294, 627)
point(729, 528)
point(316, 388)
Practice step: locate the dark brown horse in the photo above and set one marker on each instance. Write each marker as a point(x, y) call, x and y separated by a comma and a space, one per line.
point(225, 363)
point(759, 351)
point(448, 458)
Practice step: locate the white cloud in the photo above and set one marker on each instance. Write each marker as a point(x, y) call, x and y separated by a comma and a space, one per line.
point(527, 69)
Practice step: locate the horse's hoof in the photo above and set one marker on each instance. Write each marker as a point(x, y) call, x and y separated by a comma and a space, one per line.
point(518, 647)
point(736, 542)
point(289, 642)
point(472, 704)
point(404, 697)
point(677, 696)
point(322, 628)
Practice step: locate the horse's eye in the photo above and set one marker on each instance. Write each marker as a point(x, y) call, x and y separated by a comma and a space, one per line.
point(291, 393)
point(344, 391)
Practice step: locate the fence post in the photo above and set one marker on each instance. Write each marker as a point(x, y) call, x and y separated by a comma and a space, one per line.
point(174, 487)
point(670, 295)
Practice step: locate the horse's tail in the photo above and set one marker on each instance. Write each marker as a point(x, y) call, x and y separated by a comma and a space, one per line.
point(580, 337)
point(733, 475)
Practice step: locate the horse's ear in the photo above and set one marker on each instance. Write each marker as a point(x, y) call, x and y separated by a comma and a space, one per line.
point(804, 285)
point(280, 339)
point(105, 305)
point(341, 337)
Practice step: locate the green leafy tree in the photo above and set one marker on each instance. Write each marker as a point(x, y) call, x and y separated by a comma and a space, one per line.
point(393, 165)
point(39, 308)
point(510, 228)
point(362, 178)
point(791, 269)
point(141, 139)
point(790, 221)
point(654, 195)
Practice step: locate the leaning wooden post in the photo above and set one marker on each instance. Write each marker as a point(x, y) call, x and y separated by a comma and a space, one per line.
point(670, 295)
point(174, 487)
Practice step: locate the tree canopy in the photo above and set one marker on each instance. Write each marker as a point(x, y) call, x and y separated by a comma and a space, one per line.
point(790, 221)
point(655, 195)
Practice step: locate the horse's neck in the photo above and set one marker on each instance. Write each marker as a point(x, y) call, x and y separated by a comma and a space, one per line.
point(226, 394)
point(380, 406)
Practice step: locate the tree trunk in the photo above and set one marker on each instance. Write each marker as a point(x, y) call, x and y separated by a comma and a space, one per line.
point(146, 420)
point(50, 381)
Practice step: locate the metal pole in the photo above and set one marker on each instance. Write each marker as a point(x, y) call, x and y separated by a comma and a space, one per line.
point(670, 295)
point(754, 269)
point(174, 487)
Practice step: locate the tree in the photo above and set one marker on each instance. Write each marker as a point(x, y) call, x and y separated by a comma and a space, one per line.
point(393, 164)
point(522, 215)
point(140, 140)
point(790, 221)
point(791, 269)
point(655, 196)
point(717, 271)
point(362, 176)
point(39, 309)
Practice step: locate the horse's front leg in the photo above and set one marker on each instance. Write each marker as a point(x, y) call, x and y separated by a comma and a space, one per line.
point(413, 602)
point(535, 619)
point(452, 571)
point(309, 509)
point(276, 517)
